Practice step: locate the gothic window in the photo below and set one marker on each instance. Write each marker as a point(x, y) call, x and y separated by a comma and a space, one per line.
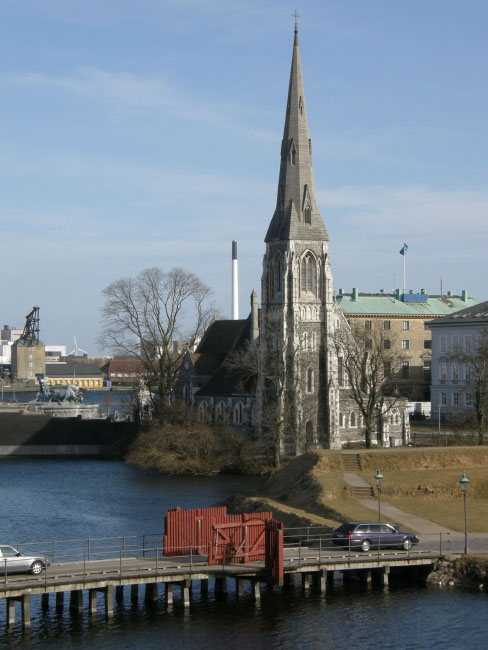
point(310, 380)
point(307, 206)
point(202, 411)
point(309, 434)
point(340, 377)
point(353, 419)
point(238, 413)
point(275, 276)
point(305, 340)
point(308, 275)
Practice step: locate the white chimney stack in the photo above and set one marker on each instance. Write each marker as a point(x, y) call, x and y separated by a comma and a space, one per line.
point(235, 283)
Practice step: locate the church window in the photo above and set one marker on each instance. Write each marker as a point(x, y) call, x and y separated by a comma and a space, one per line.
point(353, 419)
point(340, 377)
point(341, 420)
point(300, 104)
point(202, 408)
point(238, 413)
point(310, 380)
point(309, 434)
point(307, 214)
point(305, 340)
point(308, 275)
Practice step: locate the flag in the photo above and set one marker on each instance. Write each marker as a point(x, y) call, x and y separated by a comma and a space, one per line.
point(404, 249)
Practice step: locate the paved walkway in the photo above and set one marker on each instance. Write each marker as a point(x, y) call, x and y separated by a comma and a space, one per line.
point(422, 526)
point(452, 543)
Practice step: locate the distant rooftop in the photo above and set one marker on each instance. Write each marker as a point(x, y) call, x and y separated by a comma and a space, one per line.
point(476, 314)
point(411, 304)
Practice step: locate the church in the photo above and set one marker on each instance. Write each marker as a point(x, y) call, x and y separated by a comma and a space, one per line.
point(292, 388)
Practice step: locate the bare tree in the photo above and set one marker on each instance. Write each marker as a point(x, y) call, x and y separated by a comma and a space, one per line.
point(272, 371)
point(155, 317)
point(369, 368)
point(475, 357)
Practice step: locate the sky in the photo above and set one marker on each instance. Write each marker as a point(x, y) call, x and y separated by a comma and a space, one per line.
point(139, 133)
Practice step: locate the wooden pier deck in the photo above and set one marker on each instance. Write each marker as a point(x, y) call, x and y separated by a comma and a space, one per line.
point(316, 567)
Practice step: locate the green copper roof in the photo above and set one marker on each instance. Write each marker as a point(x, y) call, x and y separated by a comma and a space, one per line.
point(374, 304)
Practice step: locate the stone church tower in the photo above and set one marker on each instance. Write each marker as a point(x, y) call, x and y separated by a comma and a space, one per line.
point(298, 385)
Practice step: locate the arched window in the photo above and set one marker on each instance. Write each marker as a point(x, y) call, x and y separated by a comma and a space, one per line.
point(293, 156)
point(308, 275)
point(340, 377)
point(341, 420)
point(237, 419)
point(353, 419)
point(275, 271)
point(219, 412)
point(310, 380)
point(202, 410)
point(309, 437)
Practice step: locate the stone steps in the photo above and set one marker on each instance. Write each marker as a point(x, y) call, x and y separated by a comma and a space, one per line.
point(351, 462)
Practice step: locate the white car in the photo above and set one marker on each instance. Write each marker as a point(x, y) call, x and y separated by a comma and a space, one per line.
point(13, 561)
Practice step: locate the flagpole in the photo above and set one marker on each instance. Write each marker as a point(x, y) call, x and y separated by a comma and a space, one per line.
point(405, 271)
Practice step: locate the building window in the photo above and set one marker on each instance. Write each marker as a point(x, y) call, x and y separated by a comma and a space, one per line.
point(455, 399)
point(308, 279)
point(468, 399)
point(341, 420)
point(387, 368)
point(405, 325)
point(307, 214)
point(468, 372)
point(340, 372)
point(443, 371)
point(427, 370)
point(468, 344)
point(442, 343)
point(368, 344)
point(405, 344)
point(427, 344)
point(455, 344)
point(353, 419)
point(426, 326)
point(455, 371)
point(387, 325)
point(443, 399)
point(310, 380)
point(238, 413)
point(405, 369)
point(387, 344)
point(368, 324)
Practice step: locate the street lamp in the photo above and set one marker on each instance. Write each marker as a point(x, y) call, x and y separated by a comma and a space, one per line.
point(464, 487)
point(379, 477)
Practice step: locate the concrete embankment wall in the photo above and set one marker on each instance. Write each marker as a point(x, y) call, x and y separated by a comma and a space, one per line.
point(41, 435)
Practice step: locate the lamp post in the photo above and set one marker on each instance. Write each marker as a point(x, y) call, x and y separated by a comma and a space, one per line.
point(379, 477)
point(464, 481)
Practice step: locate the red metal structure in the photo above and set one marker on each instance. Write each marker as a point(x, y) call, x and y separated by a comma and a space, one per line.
point(241, 539)
point(225, 538)
point(188, 531)
point(273, 558)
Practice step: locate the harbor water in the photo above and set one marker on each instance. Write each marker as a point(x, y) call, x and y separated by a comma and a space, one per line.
point(43, 500)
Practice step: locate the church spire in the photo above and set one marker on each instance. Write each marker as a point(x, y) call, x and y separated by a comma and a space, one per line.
point(296, 215)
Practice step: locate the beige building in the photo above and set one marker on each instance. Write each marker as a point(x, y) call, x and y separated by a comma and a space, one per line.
point(402, 319)
point(28, 358)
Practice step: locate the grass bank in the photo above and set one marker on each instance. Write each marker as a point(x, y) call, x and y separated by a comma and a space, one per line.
point(424, 482)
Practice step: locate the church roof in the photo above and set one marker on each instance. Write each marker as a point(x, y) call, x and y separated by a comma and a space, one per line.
point(221, 339)
point(296, 216)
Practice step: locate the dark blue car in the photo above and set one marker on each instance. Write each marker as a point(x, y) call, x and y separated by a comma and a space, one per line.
point(366, 535)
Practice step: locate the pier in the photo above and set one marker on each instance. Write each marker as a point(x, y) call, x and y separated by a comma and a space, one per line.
point(313, 562)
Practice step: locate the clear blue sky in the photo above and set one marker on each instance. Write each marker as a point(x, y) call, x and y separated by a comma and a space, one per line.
point(148, 132)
